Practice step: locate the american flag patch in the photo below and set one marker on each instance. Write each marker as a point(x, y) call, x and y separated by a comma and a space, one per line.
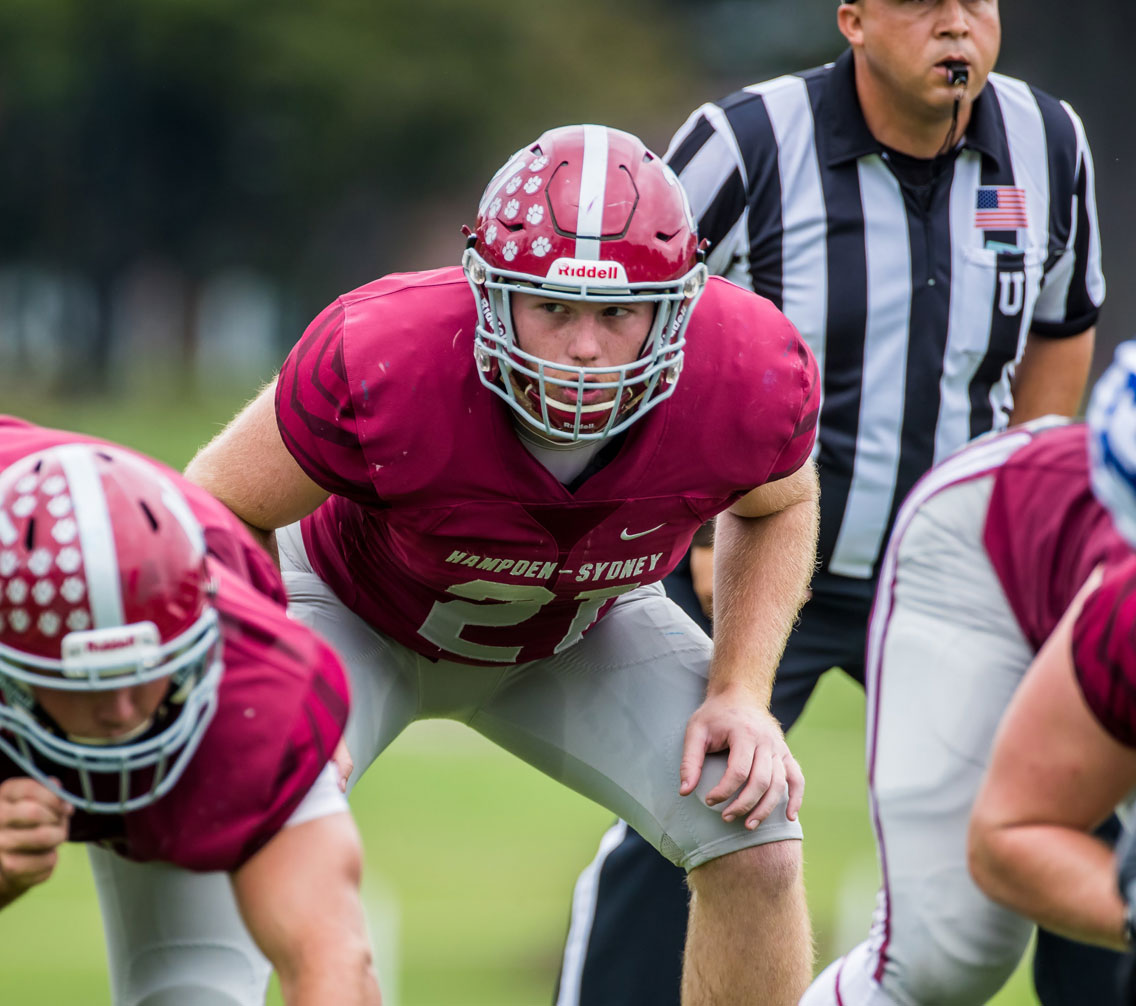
point(1000, 208)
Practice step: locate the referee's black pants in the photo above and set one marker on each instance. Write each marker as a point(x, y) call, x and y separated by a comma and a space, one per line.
point(632, 953)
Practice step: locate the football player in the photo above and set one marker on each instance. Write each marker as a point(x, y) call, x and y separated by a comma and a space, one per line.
point(1065, 754)
point(480, 475)
point(156, 704)
point(989, 551)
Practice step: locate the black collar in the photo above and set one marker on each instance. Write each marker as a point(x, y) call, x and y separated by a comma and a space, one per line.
point(845, 135)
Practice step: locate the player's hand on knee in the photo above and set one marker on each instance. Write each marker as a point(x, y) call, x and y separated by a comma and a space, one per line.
point(759, 765)
point(34, 822)
point(775, 770)
point(787, 775)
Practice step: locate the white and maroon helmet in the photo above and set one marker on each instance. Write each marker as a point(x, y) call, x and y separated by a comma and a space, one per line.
point(1111, 419)
point(584, 213)
point(103, 585)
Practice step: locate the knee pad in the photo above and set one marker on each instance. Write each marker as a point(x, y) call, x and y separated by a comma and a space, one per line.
point(950, 979)
point(195, 975)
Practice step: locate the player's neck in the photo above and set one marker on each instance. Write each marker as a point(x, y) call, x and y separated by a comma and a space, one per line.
point(567, 461)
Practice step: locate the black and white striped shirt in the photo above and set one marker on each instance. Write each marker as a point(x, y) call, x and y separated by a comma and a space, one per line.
point(916, 300)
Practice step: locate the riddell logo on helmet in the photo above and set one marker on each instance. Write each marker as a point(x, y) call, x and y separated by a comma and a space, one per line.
point(585, 271)
point(94, 646)
point(124, 648)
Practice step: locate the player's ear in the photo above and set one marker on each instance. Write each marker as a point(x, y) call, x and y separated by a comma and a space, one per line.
point(848, 18)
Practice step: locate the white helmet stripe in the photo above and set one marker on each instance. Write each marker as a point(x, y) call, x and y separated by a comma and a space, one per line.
point(593, 187)
point(96, 535)
point(8, 533)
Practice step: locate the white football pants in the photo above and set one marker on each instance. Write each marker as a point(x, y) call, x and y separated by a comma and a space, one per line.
point(607, 716)
point(945, 655)
point(175, 938)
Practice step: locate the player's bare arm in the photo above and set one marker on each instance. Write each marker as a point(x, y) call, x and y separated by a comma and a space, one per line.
point(299, 897)
point(765, 548)
point(34, 822)
point(1051, 376)
point(248, 468)
point(1054, 776)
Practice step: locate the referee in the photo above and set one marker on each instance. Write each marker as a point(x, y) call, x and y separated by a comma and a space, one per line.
point(930, 228)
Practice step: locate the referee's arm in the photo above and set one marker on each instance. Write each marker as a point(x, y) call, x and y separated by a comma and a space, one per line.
point(1050, 379)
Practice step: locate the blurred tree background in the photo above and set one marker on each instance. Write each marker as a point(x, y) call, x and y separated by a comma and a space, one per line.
point(183, 183)
point(164, 157)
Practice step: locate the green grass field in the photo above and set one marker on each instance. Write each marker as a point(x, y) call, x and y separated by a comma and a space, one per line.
point(471, 855)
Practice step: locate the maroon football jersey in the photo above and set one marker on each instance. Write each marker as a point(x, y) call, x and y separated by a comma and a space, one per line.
point(226, 538)
point(446, 533)
point(282, 707)
point(281, 710)
point(1045, 532)
point(1104, 651)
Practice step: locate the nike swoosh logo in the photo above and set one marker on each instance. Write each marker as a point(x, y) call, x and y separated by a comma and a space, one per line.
point(627, 536)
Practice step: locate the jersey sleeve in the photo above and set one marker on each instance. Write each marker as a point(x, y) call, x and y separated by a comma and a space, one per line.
point(241, 555)
point(1073, 287)
point(229, 542)
point(1104, 653)
point(799, 444)
point(10, 424)
point(311, 742)
point(245, 558)
point(316, 413)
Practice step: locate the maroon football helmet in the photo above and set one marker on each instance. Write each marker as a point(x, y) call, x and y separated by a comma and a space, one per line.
point(584, 213)
point(103, 585)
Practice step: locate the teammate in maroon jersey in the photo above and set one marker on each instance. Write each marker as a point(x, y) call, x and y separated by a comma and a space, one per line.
point(477, 497)
point(989, 551)
point(1065, 754)
point(226, 539)
point(154, 703)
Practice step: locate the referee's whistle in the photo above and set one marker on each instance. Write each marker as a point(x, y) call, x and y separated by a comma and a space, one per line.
point(958, 73)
